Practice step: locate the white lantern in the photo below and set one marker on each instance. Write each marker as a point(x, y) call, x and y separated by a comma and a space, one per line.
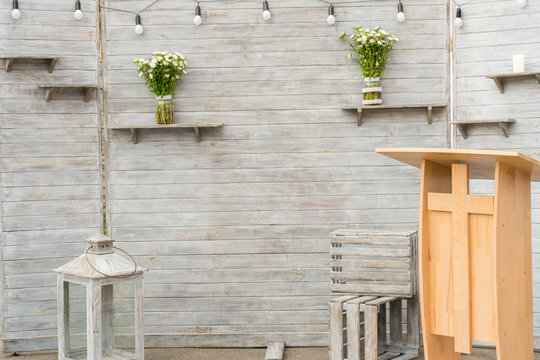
point(100, 305)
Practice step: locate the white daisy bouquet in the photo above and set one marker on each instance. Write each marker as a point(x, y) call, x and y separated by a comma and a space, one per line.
point(161, 71)
point(371, 48)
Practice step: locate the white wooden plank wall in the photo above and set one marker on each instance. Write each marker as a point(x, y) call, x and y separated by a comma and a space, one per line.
point(49, 163)
point(493, 31)
point(235, 228)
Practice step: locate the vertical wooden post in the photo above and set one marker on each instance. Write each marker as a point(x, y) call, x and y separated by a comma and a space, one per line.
point(370, 332)
point(336, 331)
point(413, 323)
point(435, 178)
point(63, 316)
point(512, 221)
point(139, 314)
point(353, 331)
point(461, 267)
point(93, 316)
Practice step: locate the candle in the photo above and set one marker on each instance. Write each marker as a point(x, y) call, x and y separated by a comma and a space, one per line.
point(519, 63)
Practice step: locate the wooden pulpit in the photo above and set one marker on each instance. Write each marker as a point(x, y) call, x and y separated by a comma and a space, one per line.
point(475, 261)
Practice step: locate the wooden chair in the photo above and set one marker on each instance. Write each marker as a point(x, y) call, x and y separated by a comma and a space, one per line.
point(379, 267)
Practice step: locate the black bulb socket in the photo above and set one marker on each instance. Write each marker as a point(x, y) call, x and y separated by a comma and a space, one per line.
point(400, 7)
point(458, 12)
point(138, 19)
point(77, 5)
point(198, 10)
point(265, 5)
point(15, 4)
point(331, 9)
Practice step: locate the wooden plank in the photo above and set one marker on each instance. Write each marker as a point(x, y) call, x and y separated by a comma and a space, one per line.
point(435, 178)
point(336, 330)
point(499, 79)
point(513, 241)
point(275, 350)
point(370, 328)
point(461, 259)
point(353, 331)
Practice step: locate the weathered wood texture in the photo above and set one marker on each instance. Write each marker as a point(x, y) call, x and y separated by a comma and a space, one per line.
point(484, 46)
point(50, 196)
point(373, 262)
point(235, 228)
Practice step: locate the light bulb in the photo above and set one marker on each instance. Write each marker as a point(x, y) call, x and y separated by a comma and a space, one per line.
point(16, 14)
point(78, 13)
point(266, 11)
point(331, 19)
point(458, 22)
point(401, 13)
point(197, 20)
point(138, 27)
point(522, 3)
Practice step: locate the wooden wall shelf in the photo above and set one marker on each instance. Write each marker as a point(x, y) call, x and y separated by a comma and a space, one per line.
point(195, 126)
point(11, 58)
point(499, 79)
point(429, 108)
point(50, 88)
point(503, 125)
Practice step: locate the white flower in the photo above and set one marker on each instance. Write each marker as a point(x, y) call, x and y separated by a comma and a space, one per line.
point(167, 75)
point(177, 77)
point(150, 76)
point(350, 56)
point(371, 40)
point(152, 65)
point(184, 72)
point(140, 74)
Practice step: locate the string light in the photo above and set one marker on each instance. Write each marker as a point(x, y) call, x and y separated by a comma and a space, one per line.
point(331, 19)
point(401, 14)
point(458, 22)
point(267, 15)
point(197, 20)
point(138, 26)
point(78, 15)
point(15, 13)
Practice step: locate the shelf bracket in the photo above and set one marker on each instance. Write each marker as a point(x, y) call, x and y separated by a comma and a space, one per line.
point(88, 94)
point(9, 63)
point(462, 129)
point(537, 77)
point(499, 83)
point(359, 121)
point(504, 128)
point(197, 134)
point(48, 94)
point(134, 135)
point(52, 64)
point(429, 114)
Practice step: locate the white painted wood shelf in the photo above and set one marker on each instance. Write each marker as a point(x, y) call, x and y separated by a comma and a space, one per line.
point(504, 124)
point(10, 59)
point(429, 108)
point(51, 88)
point(195, 126)
point(499, 79)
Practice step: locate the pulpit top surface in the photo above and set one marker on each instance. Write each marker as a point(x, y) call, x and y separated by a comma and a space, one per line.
point(481, 162)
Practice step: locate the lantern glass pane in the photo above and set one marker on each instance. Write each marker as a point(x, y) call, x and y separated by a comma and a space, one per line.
point(118, 320)
point(75, 320)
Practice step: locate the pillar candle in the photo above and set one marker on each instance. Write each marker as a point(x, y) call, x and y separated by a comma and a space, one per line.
point(519, 63)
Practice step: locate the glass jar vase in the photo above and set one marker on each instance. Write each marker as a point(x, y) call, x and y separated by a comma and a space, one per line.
point(372, 91)
point(164, 110)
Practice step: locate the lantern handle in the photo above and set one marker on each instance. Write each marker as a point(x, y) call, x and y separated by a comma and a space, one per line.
point(113, 276)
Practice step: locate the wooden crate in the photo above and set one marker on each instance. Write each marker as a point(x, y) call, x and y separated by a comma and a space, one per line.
point(374, 262)
point(359, 328)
